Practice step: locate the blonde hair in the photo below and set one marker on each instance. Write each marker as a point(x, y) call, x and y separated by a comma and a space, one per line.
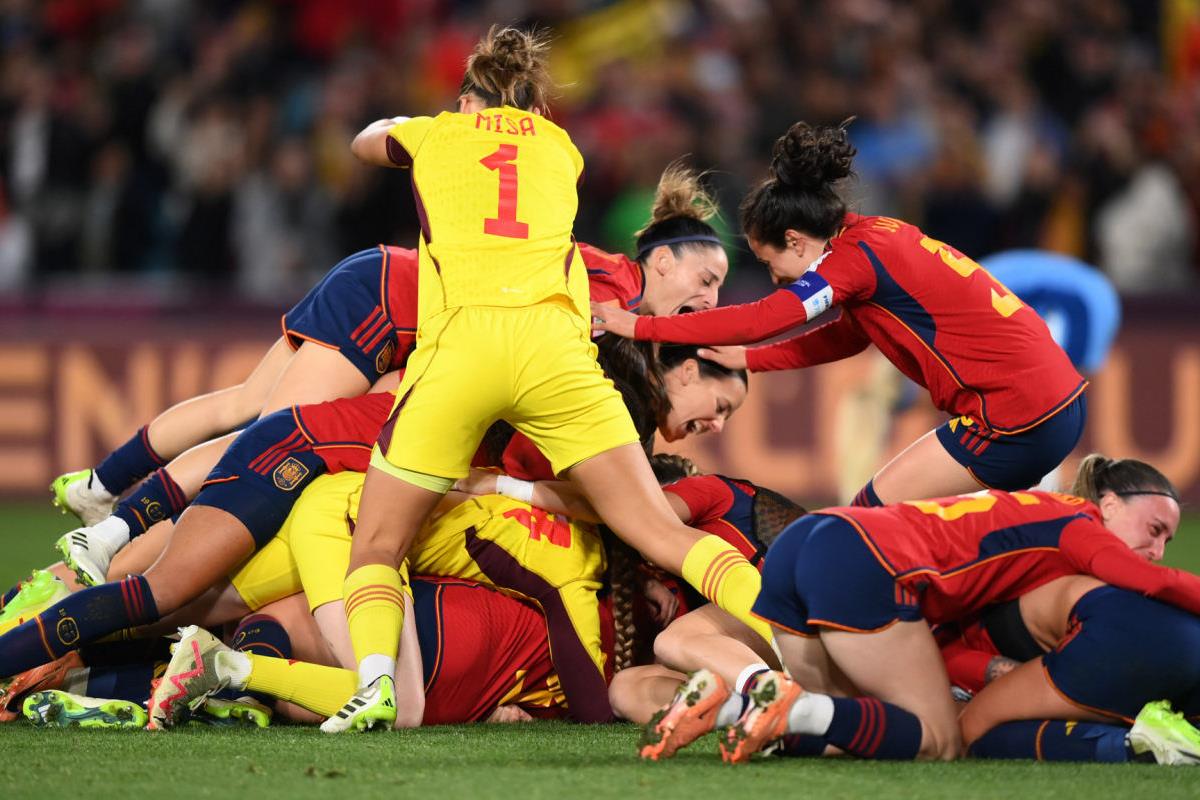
point(680, 194)
point(509, 67)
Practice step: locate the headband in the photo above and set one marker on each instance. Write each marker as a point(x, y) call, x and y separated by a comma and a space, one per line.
point(1147, 491)
point(699, 237)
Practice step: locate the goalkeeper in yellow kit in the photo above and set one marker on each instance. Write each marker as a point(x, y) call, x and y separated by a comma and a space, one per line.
point(504, 334)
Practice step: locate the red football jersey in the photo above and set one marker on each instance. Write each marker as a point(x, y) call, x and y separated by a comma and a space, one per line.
point(959, 554)
point(723, 507)
point(342, 432)
point(398, 298)
point(489, 650)
point(939, 317)
point(612, 276)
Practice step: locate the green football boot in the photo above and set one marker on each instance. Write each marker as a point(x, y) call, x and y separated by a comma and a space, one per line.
point(58, 709)
point(371, 707)
point(244, 712)
point(76, 493)
point(37, 593)
point(1165, 734)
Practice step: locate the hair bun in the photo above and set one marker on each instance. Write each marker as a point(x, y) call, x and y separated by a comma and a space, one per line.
point(812, 158)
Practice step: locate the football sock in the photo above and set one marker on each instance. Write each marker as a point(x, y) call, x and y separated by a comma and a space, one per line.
point(800, 745)
point(1054, 740)
point(113, 531)
point(10, 594)
point(260, 634)
point(742, 684)
point(128, 464)
point(374, 597)
point(866, 496)
point(731, 710)
point(870, 728)
point(155, 499)
point(723, 575)
point(124, 682)
point(322, 690)
point(77, 620)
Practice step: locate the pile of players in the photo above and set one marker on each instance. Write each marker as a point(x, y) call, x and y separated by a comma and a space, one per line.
point(436, 504)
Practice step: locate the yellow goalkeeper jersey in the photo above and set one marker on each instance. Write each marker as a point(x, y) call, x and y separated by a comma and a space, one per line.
point(496, 196)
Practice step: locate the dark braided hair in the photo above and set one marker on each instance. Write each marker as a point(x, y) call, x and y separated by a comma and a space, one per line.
point(799, 193)
point(623, 562)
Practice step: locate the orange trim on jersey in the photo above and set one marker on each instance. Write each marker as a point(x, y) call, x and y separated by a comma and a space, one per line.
point(979, 480)
point(793, 631)
point(974, 564)
point(383, 273)
point(1070, 399)
point(824, 623)
point(211, 481)
point(289, 332)
point(342, 446)
point(1077, 704)
point(1037, 741)
point(300, 424)
point(437, 621)
point(866, 537)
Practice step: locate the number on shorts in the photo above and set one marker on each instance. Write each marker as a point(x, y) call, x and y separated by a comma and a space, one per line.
point(1005, 302)
point(505, 222)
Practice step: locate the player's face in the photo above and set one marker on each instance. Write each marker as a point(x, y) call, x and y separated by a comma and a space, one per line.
point(699, 404)
point(688, 282)
point(1145, 522)
point(789, 262)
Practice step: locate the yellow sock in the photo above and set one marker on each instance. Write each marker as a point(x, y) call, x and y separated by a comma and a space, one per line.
point(323, 690)
point(722, 574)
point(374, 597)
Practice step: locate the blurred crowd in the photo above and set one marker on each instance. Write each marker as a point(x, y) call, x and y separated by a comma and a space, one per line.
point(206, 143)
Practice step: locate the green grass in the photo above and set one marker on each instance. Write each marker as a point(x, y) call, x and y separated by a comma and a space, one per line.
point(542, 760)
point(531, 761)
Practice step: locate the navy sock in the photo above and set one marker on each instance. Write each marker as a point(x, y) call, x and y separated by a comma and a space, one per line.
point(121, 682)
point(800, 745)
point(262, 635)
point(155, 499)
point(1054, 740)
point(870, 728)
point(866, 496)
point(129, 463)
point(75, 621)
point(10, 594)
point(106, 653)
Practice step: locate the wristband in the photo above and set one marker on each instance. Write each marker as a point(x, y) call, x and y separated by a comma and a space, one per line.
point(515, 488)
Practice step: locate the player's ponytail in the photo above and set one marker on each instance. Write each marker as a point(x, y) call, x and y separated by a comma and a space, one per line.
point(1124, 477)
point(679, 217)
point(508, 68)
point(772, 512)
point(800, 192)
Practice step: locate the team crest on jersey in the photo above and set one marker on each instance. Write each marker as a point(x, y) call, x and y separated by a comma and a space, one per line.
point(384, 359)
point(287, 476)
point(67, 631)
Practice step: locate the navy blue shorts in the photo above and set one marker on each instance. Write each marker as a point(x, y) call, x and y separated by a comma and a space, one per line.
point(820, 573)
point(261, 475)
point(1125, 650)
point(1019, 460)
point(343, 312)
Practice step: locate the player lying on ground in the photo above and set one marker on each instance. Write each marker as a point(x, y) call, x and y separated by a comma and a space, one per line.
point(851, 592)
point(1016, 403)
point(362, 318)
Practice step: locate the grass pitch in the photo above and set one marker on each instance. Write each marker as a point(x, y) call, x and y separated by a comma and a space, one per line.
point(529, 761)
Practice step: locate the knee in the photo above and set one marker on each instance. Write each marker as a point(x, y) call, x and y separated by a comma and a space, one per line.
point(669, 645)
point(940, 742)
point(621, 694)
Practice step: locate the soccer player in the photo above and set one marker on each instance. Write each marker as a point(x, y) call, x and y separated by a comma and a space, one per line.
point(850, 591)
point(503, 333)
point(1016, 403)
point(365, 309)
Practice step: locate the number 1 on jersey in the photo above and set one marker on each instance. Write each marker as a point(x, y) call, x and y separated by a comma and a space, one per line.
point(505, 222)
